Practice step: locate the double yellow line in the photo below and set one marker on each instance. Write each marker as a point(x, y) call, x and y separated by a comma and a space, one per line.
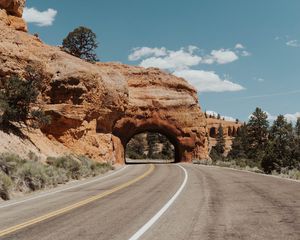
point(74, 206)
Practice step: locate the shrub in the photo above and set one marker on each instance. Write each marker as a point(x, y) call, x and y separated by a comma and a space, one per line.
point(32, 175)
point(16, 97)
point(27, 175)
point(9, 163)
point(70, 164)
point(5, 186)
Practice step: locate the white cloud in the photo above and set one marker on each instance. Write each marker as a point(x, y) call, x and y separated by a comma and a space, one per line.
point(223, 56)
point(175, 60)
point(40, 18)
point(208, 81)
point(139, 53)
point(293, 43)
point(239, 46)
point(290, 117)
point(245, 53)
point(213, 113)
point(181, 62)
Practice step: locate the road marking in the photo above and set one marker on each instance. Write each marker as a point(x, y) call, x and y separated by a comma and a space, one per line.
point(74, 206)
point(62, 190)
point(148, 225)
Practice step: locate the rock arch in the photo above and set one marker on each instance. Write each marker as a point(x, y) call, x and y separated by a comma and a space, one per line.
point(127, 128)
point(161, 102)
point(213, 132)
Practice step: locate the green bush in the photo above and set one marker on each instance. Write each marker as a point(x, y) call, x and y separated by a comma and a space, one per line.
point(9, 163)
point(6, 185)
point(27, 175)
point(32, 175)
point(70, 164)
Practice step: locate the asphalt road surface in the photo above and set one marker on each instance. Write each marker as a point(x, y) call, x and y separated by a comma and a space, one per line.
point(160, 202)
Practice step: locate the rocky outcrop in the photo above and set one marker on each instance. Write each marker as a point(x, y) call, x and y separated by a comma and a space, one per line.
point(83, 99)
point(230, 130)
point(97, 108)
point(13, 7)
point(161, 102)
point(11, 14)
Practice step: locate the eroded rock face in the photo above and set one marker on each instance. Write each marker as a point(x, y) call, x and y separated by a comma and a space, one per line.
point(11, 14)
point(97, 108)
point(83, 99)
point(230, 129)
point(13, 7)
point(163, 103)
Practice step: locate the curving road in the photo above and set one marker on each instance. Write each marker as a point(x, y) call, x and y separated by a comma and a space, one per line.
point(159, 202)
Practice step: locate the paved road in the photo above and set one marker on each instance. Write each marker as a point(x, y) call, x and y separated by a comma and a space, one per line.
point(199, 203)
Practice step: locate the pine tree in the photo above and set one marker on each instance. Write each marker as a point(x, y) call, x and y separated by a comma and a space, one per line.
point(239, 144)
point(257, 134)
point(220, 146)
point(136, 147)
point(167, 151)
point(81, 43)
point(152, 141)
point(297, 128)
point(296, 153)
point(281, 146)
point(17, 96)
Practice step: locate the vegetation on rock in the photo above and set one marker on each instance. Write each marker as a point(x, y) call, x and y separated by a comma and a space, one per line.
point(17, 98)
point(81, 43)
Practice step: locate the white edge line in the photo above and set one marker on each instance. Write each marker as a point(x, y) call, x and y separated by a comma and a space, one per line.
point(148, 225)
point(62, 190)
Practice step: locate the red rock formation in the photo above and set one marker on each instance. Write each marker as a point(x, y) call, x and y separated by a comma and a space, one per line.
point(230, 130)
point(161, 102)
point(97, 108)
point(11, 14)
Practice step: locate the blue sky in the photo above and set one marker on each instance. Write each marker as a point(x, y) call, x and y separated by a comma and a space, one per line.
point(239, 54)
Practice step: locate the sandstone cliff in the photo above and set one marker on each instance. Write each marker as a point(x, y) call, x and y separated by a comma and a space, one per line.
point(97, 108)
point(230, 130)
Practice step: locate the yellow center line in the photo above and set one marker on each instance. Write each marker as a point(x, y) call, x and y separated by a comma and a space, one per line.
point(74, 206)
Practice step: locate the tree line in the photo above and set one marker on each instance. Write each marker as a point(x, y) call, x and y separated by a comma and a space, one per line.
point(270, 147)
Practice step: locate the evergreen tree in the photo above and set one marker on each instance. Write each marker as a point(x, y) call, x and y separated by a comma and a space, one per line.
point(152, 141)
point(239, 144)
point(218, 150)
point(281, 146)
point(167, 151)
point(296, 153)
point(16, 98)
point(297, 128)
point(135, 148)
point(81, 43)
point(220, 146)
point(257, 134)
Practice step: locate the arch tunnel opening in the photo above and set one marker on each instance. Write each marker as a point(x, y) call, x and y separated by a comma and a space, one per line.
point(150, 147)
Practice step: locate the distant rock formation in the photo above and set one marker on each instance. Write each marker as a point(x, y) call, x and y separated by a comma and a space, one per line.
point(230, 129)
